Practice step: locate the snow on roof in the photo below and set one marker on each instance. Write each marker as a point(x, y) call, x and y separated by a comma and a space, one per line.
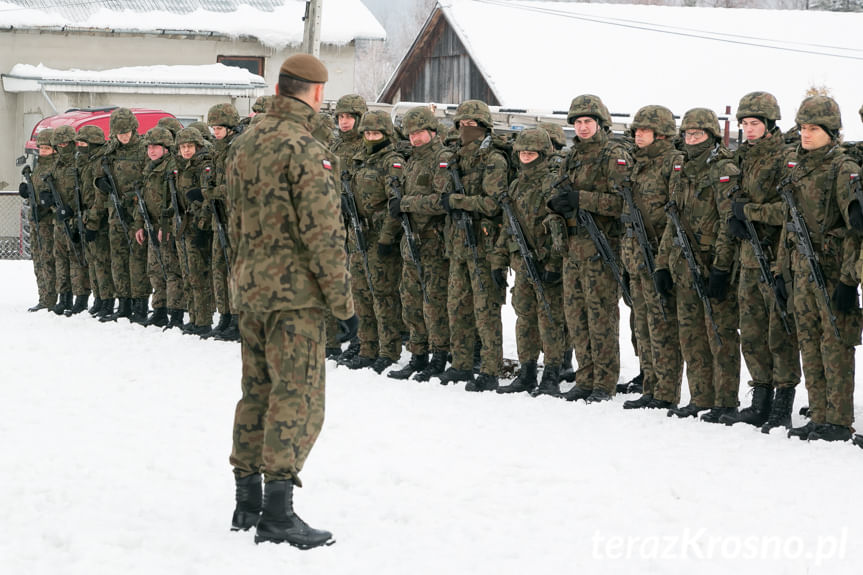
point(540, 55)
point(276, 23)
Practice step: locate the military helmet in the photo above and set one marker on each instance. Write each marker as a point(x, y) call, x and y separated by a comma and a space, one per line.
point(122, 121)
point(171, 123)
point(376, 120)
point(533, 140)
point(91, 134)
point(703, 119)
point(351, 104)
point(419, 118)
point(190, 136)
point(819, 110)
point(476, 110)
point(44, 137)
point(223, 115)
point(758, 105)
point(555, 133)
point(203, 129)
point(63, 135)
point(157, 136)
point(260, 105)
point(322, 127)
point(656, 118)
point(588, 105)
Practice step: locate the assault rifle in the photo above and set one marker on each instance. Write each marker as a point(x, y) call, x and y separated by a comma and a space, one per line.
point(63, 216)
point(692, 264)
point(178, 219)
point(34, 208)
point(528, 256)
point(115, 198)
point(413, 249)
point(353, 215)
point(464, 222)
point(220, 226)
point(806, 249)
point(151, 232)
point(636, 220)
point(79, 215)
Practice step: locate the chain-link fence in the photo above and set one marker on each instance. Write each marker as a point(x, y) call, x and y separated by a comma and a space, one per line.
point(14, 227)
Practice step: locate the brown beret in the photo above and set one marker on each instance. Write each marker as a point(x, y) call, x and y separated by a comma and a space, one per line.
point(304, 67)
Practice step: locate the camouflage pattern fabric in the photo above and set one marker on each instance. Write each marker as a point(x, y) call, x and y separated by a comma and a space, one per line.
point(215, 190)
point(95, 219)
point(43, 249)
point(198, 235)
point(71, 276)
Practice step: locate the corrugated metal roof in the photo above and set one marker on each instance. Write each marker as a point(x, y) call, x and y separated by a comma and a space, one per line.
point(77, 10)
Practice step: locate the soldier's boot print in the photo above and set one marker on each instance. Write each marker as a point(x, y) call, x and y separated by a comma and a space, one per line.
point(525, 381)
point(483, 382)
point(249, 498)
point(418, 362)
point(139, 311)
point(780, 411)
point(802, 432)
point(224, 322)
point(757, 413)
point(107, 308)
point(688, 410)
point(280, 524)
point(453, 375)
point(830, 432)
point(64, 302)
point(717, 413)
point(232, 332)
point(550, 382)
point(80, 305)
point(176, 320)
point(124, 309)
point(567, 372)
point(634, 385)
point(159, 317)
point(436, 366)
point(96, 307)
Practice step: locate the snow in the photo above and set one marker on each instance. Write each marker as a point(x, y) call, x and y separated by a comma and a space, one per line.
point(342, 21)
point(182, 74)
point(540, 55)
point(115, 460)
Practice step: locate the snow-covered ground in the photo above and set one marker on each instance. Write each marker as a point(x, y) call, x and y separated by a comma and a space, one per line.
point(115, 442)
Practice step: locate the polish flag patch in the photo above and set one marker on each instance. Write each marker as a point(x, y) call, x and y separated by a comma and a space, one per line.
point(791, 165)
point(854, 177)
point(397, 165)
point(724, 179)
point(677, 167)
point(621, 162)
point(443, 165)
point(327, 164)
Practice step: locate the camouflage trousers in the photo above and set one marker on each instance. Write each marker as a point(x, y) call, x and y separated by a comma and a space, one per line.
point(197, 282)
point(99, 262)
point(828, 361)
point(128, 263)
point(656, 336)
point(773, 361)
point(220, 274)
point(427, 322)
point(281, 412)
point(379, 314)
point(71, 276)
point(535, 330)
point(168, 283)
point(590, 297)
point(712, 370)
point(42, 249)
point(473, 306)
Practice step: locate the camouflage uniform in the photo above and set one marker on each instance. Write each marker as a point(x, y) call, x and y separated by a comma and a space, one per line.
point(95, 217)
point(43, 248)
point(703, 197)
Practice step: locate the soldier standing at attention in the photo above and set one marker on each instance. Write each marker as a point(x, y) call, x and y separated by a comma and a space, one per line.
point(43, 246)
point(289, 268)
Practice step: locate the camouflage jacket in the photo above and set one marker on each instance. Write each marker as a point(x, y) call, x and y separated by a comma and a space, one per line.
point(345, 146)
point(126, 163)
point(44, 166)
point(285, 227)
point(65, 173)
point(418, 199)
point(190, 175)
point(703, 197)
point(89, 168)
point(370, 185)
point(157, 195)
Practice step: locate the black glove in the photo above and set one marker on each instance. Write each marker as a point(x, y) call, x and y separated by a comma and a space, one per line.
point(444, 200)
point(737, 228)
point(664, 284)
point(845, 297)
point(855, 216)
point(195, 195)
point(104, 185)
point(499, 278)
point(76, 235)
point(781, 291)
point(564, 203)
point(386, 250)
point(549, 277)
point(395, 206)
point(348, 328)
point(202, 239)
point(737, 210)
point(90, 235)
point(24, 190)
point(717, 284)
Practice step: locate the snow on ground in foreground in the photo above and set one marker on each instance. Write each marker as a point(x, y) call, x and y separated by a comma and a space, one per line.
point(115, 441)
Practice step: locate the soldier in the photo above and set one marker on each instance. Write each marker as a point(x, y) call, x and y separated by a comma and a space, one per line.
point(173, 125)
point(537, 299)
point(594, 167)
point(423, 299)
point(558, 144)
point(43, 246)
point(205, 133)
point(708, 335)
point(162, 264)
point(828, 326)
point(472, 227)
point(323, 129)
point(773, 361)
point(657, 167)
point(290, 265)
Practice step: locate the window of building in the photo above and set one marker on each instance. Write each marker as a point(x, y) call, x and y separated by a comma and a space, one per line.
point(254, 64)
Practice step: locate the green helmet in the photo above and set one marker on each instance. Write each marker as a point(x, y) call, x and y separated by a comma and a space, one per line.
point(157, 136)
point(656, 118)
point(190, 136)
point(533, 140)
point(63, 135)
point(703, 119)
point(44, 137)
point(203, 129)
point(555, 133)
point(419, 118)
point(91, 134)
point(351, 104)
point(758, 105)
point(260, 105)
point(588, 105)
point(820, 110)
point(377, 120)
point(476, 110)
point(122, 121)
point(171, 123)
point(223, 115)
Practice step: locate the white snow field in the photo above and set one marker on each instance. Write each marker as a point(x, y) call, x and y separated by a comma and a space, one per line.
point(115, 442)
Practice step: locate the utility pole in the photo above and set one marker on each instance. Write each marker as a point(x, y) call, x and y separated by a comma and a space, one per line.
point(312, 28)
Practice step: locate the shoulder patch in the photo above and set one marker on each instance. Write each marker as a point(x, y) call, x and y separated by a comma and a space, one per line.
point(443, 165)
point(677, 167)
point(724, 179)
point(621, 161)
point(791, 164)
point(397, 165)
point(327, 165)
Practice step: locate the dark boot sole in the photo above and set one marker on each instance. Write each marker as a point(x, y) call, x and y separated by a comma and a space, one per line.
point(303, 546)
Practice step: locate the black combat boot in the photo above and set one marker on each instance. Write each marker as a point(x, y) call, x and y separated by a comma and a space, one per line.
point(550, 382)
point(634, 385)
point(436, 366)
point(717, 413)
point(688, 410)
point(38, 306)
point(351, 352)
point(198, 330)
point(79, 305)
point(381, 363)
point(418, 362)
point(576, 393)
point(176, 320)
point(232, 332)
point(249, 494)
point(359, 362)
point(483, 382)
point(159, 317)
point(224, 321)
point(139, 311)
point(96, 307)
point(524, 381)
point(453, 375)
point(280, 524)
point(640, 403)
point(64, 302)
point(858, 440)
point(598, 396)
point(107, 308)
point(780, 411)
point(333, 353)
point(124, 309)
point(830, 432)
point(757, 413)
point(567, 373)
point(802, 432)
